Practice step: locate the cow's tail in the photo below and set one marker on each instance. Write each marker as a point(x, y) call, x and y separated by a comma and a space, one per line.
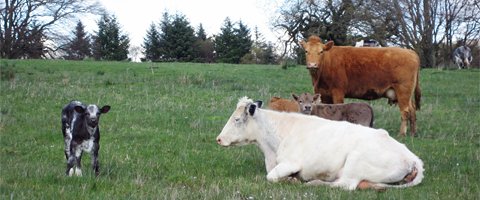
point(418, 92)
point(415, 177)
point(373, 117)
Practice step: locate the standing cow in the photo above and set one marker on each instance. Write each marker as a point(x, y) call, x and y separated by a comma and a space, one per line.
point(321, 151)
point(365, 73)
point(462, 57)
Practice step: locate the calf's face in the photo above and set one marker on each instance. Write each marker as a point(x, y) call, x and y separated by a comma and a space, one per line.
point(305, 102)
point(92, 113)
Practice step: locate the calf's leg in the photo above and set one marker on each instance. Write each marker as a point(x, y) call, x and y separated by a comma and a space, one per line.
point(95, 164)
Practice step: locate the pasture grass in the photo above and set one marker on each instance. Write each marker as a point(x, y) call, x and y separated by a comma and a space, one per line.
point(158, 140)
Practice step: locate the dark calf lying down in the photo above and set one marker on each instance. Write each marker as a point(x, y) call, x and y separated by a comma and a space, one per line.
point(357, 113)
point(81, 133)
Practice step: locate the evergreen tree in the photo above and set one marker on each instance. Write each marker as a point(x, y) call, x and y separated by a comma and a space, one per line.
point(201, 35)
point(225, 43)
point(78, 48)
point(177, 38)
point(232, 43)
point(269, 56)
point(243, 41)
point(110, 43)
point(151, 44)
point(203, 46)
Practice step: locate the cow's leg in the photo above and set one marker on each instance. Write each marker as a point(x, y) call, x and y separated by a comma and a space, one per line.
point(405, 104)
point(413, 120)
point(338, 95)
point(363, 185)
point(326, 99)
point(95, 164)
point(282, 171)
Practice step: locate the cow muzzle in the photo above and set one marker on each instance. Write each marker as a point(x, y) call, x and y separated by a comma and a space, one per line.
point(312, 66)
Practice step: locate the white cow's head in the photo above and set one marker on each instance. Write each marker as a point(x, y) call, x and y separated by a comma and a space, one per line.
point(241, 127)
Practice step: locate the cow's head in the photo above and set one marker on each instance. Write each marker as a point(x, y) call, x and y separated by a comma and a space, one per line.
point(314, 50)
point(92, 113)
point(306, 101)
point(241, 126)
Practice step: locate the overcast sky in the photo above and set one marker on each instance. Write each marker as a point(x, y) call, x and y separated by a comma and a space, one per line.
point(136, 16)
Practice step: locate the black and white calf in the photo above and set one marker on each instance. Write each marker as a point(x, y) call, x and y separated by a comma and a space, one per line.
point(81, 133)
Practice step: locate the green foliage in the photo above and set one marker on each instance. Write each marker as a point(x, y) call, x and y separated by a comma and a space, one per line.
point(158, 140)
point(177, 38)
point(78, 47)
point(151, 44)
point(109, 43)
point(232, 43)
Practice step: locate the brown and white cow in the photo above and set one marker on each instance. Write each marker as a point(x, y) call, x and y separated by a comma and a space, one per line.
point(357, 113)
point(365, 73)
point(321, 151)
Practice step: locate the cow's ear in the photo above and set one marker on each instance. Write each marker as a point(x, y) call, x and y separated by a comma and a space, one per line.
point(302, 44)
point(328, 46)
point(79, 109)
point(105, 109)
point(259, 103)
point(295, 97)
point(251, 109)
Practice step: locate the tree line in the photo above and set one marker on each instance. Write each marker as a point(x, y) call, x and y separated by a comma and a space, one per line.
point(433, 28)
point(174, 39)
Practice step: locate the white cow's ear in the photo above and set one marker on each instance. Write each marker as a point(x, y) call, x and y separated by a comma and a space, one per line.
point(259, 103)
point(251, 109)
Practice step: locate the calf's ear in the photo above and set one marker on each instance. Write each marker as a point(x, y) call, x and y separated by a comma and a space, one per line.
point(79, 109)
point(105, 109)
point(316, 97)
point(295, 97)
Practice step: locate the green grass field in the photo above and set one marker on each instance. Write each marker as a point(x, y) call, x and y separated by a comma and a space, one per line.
point(158, 140)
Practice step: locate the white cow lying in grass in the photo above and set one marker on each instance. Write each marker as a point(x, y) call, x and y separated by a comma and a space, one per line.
point(320, 151)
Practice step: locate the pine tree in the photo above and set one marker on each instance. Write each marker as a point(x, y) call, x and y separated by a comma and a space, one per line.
point(224, 43)
point(78, 48)
point(110, 43)
point(232, 44)
point(243, 41)
point(151, 44)
point(177, 38)
point(201, 35)
point(203, 46)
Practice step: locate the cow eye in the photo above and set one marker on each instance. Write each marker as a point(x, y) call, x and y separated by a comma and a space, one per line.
point(237, 120)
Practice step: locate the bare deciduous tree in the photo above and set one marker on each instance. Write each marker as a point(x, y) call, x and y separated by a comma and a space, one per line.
point(23, 21)
point(329, 19)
